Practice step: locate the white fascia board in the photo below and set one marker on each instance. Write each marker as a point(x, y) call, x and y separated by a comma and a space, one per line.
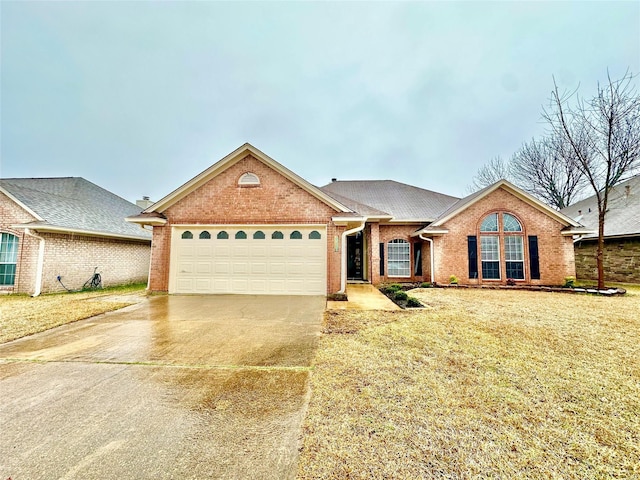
point(146, 221)
point(344, 221)
point(577, 231)
point(519, 193)
point(432, 232)
point(410, 221)
point(76, 231)
point(229, 160)
point(22, 205)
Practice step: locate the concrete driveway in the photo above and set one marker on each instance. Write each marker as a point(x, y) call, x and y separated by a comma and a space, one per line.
point(184, 387)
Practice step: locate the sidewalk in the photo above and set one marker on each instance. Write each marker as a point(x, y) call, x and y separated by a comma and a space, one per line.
point(363, 296)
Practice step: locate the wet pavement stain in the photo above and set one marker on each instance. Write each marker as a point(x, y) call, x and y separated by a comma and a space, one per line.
point(180, 387)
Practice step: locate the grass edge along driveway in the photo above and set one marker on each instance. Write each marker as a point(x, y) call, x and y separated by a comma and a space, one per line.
point(479, 384)
point(22, 315)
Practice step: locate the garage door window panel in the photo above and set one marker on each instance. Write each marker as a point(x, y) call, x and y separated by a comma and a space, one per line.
point(241, 235)
point(259, 235)
point(222, 235)
point(295, 235)
point(204, 235)
point(187, 235)
point(277, 235)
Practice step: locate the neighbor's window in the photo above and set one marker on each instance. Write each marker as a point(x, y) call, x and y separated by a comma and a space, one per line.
point(398, 258)
point(8, 258)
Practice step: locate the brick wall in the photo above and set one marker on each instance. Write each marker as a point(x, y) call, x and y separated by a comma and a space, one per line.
point(555, 250)
point(621, 260)
point(74, 257)
point(11, 214)
point(221, 201)
point(392, 232)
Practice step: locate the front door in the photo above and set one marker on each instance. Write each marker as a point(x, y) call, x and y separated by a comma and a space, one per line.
point(355, 257)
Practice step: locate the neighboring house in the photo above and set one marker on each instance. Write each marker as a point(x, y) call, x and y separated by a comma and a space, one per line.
point(65, 227)
point(249, 225)
point(621, 234)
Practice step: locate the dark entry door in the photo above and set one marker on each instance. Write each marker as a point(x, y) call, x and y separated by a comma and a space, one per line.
point(354, 257)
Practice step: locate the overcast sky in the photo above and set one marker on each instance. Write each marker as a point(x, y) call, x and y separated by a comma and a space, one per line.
point(139, 97)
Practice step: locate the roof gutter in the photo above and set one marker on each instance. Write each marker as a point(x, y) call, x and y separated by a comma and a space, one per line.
point(40, 264)
point(431, 253)
point(343, 253)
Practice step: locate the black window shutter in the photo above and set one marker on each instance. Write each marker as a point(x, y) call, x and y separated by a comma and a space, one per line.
point(382, 259)
point(472, 244)
point(534, 259)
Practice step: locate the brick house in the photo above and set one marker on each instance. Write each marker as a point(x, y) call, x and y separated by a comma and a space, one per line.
point(249, 225)
point(621, 234)
point(65, 227)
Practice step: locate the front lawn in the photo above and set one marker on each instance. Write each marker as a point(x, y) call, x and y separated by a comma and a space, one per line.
point(480, 384)
point(21, 315)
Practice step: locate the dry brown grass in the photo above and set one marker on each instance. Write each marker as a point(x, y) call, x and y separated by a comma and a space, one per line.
point(21, 315)
point(480, 384)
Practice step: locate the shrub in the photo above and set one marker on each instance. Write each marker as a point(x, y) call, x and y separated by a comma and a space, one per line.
point(568, 282)
point(511, 282)
point(400, 296)
point(425, 285)
point(453, 280)
point(413, 302)
point(395, 286)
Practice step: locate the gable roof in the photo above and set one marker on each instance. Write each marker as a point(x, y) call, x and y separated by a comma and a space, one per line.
point(401, 201)
point(571, 226)
point(73, 205)
point(623, 211)
point(226, 162)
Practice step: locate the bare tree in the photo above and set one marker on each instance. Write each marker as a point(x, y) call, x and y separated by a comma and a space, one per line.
point(495, 170)
point(603, 134)
point(546, 169)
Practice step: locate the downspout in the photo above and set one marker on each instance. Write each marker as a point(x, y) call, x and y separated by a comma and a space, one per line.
point(431, 252)
point(343, 254)
point(40, 264)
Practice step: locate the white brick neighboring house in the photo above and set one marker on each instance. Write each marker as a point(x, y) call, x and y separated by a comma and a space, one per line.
point(65, 227)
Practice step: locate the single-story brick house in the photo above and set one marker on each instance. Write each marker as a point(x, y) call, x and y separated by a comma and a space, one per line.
point(249, 225)
point(65, 227)
point(621, 234)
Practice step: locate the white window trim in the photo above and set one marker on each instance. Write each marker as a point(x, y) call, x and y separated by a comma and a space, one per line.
point(391, 245)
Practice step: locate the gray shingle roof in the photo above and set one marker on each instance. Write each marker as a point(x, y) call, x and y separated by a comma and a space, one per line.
point(402, 201)
point(76, 204)
point(623, 212)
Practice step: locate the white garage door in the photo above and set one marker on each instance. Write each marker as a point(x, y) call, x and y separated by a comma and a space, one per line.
point(272, 260)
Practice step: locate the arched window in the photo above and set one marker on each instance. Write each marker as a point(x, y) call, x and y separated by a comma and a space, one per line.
point(399, 258)
point(204, 235)
point(277, 235)
point(249, 180)
point(240, 235)
point(187, 235)
point(8, 258)
point(502, 229)
point(315, 235)
point(295, 235)
point(259, 235)
point(222, 235)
